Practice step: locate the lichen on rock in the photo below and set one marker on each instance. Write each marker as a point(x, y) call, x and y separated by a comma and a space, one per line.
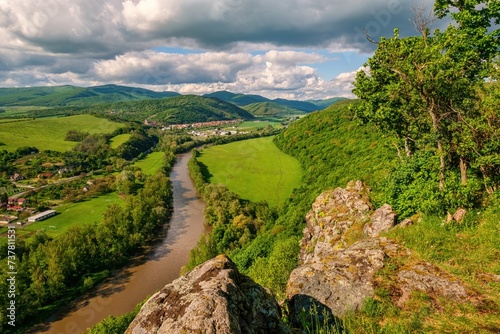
point(212, 298)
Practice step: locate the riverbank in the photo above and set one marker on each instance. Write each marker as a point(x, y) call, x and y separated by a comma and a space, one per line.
point(122, 292)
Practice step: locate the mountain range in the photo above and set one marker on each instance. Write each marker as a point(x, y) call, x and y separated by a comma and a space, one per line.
point(64, 96)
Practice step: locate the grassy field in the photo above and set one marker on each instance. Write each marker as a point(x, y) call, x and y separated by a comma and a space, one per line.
point(75, 214)
point(116, 141)
point(150, 164)
point(49, 133)
point(71, 214)
point(259, 124)
point(254, 169)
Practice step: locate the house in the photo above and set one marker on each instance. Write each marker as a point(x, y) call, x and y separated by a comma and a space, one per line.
point(21, 201)
point(46, 175)
point(12, 201)
point(15, 208)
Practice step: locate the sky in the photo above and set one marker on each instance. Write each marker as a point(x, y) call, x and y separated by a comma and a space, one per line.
point(296, 49)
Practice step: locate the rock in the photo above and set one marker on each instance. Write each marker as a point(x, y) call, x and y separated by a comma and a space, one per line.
point(382, 220)
point(332, 214)
point(430, 279)
point(406, 222)
point(342, 253)
point(212, 298)
point(459, 215)
point(341, 282)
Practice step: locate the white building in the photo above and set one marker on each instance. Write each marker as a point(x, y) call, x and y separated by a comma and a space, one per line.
point(42, 216)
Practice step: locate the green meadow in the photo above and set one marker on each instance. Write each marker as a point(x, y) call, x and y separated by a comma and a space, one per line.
point(259, 124)
point(255, 169)
point(151, 163)
point(49, 133)
point(116, 141)
point(73, 214)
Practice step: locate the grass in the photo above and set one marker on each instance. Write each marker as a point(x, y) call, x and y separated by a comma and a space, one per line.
point(470, 251)
point(73, 214)
point(254, 169)
point(150, 164)
point(49, 133)
point(116, 141)
point(259, 124)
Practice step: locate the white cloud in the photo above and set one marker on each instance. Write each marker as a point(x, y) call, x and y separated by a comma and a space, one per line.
point(246, 45)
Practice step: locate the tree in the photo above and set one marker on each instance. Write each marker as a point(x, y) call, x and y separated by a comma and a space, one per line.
point(423, 89)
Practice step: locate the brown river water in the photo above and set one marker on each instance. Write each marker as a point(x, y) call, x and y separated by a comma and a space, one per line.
point(122, 292)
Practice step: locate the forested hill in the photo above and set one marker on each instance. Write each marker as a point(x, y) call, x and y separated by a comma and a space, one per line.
point(248, 99)
point(174, 110)
point(75, 96)
point(270, 108)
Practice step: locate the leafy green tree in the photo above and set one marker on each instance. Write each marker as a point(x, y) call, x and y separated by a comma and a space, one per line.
point(424, 89)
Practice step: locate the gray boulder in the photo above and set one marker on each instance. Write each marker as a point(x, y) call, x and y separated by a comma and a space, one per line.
point(382, 220)
point(342, 253)
point(212, 298)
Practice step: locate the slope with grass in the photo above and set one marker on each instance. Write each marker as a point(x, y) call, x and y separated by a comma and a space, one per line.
point(254, 169)
point(151, 163)
point(271, 108)
point(58, 96)
point(118, 140)
point(49, 133)
point(76, 214)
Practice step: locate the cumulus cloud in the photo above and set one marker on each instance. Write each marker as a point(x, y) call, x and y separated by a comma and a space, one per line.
point(271, 73)
point(81, 41)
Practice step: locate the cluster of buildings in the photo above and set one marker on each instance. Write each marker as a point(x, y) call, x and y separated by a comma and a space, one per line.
point(193, 125)
point(16, 204)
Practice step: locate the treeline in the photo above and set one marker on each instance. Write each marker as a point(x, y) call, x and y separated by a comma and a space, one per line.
point(52, 271)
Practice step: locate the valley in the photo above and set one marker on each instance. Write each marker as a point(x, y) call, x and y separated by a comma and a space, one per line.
point(125, 210)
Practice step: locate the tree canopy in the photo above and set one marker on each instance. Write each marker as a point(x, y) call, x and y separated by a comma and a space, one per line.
point(435, 92)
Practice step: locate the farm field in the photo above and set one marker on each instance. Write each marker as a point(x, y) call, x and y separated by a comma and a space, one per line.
point(116, 141)
point(49, 133)
point(151, 163)
point(260, 124)
point(255, 169)
point(73, 214)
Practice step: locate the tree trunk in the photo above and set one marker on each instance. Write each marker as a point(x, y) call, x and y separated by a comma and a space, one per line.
point(440, 151)
point(399, 151)
point(441, 164)
point(488, 189)
point(463, 171)
point(407, 148)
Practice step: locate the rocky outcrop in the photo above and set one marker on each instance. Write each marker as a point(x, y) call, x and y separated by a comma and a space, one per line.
point(342, 252)
point(343, 260)
point(212, 298)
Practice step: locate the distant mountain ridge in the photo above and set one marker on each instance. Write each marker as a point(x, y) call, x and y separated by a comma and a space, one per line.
point(270, 109)
point(74, 96)
point(59, 96)
point(245, 100)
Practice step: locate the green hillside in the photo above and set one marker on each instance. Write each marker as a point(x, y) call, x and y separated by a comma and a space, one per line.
point(255, 169)
point(238, 99)
point(300, 105)
point(75, 96)
point(270, 109)
point(174, 110)
point(323, 104)
point(49, 133)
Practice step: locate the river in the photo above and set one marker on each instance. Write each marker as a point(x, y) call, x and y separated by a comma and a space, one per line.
point(122, 292)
